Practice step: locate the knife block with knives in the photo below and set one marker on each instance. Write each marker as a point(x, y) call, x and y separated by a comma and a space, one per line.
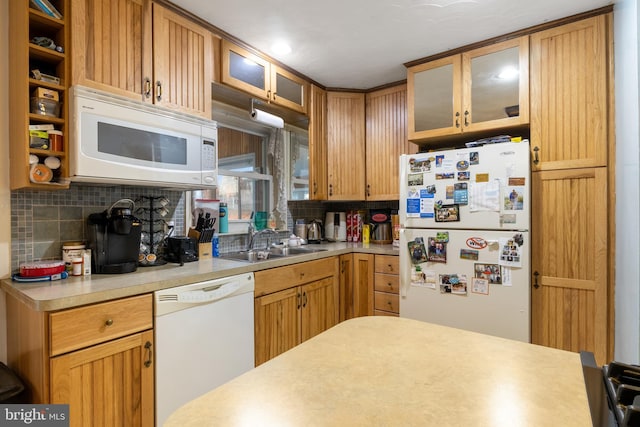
point(203, 234)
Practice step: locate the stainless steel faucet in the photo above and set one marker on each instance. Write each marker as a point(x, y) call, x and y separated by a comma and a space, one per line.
point(252, 235)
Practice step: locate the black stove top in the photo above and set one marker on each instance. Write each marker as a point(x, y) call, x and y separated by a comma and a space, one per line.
point(622, 383)
point(613, 392)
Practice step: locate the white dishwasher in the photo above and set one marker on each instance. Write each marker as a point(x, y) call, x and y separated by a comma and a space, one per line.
point(204, 338)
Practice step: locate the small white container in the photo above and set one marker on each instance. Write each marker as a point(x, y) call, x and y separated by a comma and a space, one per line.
point(86, 262)
point(76, 264)
point(71, 250)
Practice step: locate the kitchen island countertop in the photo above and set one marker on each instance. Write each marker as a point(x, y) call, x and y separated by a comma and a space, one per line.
point(77, 291)
point(386, 371)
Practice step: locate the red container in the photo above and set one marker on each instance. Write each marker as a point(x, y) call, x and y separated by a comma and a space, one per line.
point(41, 268)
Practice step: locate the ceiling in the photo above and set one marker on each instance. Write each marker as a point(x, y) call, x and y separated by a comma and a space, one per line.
point(361, 44)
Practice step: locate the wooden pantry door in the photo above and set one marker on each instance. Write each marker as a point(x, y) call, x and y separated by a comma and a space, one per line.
point(569, 261)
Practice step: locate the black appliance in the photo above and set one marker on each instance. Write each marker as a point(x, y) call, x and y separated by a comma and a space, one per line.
point(114, 239)
point(181, 249)
point(613, 392)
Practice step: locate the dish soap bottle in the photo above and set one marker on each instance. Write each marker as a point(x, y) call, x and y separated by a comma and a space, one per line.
point(271, 222)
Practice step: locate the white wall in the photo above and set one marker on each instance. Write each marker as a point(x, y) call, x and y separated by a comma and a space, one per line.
point(627, 300)
point(5, 193)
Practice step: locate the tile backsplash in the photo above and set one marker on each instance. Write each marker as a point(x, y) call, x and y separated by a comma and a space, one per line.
point(41, 221)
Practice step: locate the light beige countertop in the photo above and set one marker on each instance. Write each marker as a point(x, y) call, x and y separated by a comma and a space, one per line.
point(387, 371)
point(76, 291)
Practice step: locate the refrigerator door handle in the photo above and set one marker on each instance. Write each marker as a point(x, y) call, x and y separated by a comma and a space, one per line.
point(404, 271)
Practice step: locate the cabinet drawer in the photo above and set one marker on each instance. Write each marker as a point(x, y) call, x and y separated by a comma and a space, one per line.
point(85, 326)
point(277, 279)
point(387, 264)
point(387, 283)
point(387, 302)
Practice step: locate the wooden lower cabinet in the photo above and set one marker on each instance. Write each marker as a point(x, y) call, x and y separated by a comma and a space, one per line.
point(387, 285)
point(96, 358)
point(307, 306)
point(356, 285)
point(108, 384)
point(570, 261)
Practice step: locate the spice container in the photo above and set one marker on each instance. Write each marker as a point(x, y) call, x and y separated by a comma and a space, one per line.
point(76, 269)
point(71, 250)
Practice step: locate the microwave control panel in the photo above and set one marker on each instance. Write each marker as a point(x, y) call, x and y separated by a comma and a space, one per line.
point(208, 155)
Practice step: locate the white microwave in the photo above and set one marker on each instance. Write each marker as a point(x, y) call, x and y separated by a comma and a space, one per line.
point(115, 140)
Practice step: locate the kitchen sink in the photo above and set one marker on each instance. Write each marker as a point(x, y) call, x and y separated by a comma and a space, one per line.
point(275, 252)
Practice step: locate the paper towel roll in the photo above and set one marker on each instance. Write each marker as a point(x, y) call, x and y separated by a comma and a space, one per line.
point(267, 118)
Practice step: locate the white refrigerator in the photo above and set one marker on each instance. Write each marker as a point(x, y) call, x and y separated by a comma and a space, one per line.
point(464, 238)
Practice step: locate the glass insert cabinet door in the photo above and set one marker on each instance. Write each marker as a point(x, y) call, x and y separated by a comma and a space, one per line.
point(483, 89)
point(434, 98)
point(496, 89)
point(245, 71)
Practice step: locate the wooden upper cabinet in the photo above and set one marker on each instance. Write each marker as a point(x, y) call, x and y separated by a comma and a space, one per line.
point(386, 140)
point(259, 77)
point(569, 95)
point(111, 45)
point(317, 143)
point(346, 145)
point(476, 91)
point(181, 63)
point(142, 51)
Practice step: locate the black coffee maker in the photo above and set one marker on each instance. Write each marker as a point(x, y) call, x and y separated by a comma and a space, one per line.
point(114, 239)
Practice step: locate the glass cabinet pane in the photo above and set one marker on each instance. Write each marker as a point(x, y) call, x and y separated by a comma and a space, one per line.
point(289, 89)
point(495, 85)
point(433, 95)
point(246, 70)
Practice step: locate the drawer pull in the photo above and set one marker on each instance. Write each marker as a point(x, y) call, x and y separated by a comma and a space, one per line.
point(147, 362)
point(390, 284)
point(390, 267)
point(109, 322)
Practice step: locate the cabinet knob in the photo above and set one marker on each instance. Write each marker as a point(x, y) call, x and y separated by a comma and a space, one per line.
point(109, 322)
